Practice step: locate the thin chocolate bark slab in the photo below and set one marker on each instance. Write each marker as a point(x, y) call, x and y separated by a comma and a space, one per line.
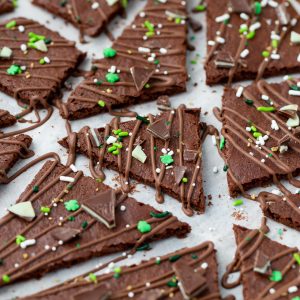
point(269, 270)
point(260, 131)
point(6, 119)
point(162, 151)
point(6, 6)
point(146, 61)
point(251, 39)
point(90, 17)
point(54, 231)
point(11, 150)
point(190, 273)
point(35, 61)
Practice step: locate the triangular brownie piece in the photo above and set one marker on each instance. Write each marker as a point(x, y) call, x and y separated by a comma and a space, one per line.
point(6, 6)
point(146, 61)
point(62, 233)
point(6, 119)
point(268, 270)
point(151, 150)
point(11, 150)
point(189, 273)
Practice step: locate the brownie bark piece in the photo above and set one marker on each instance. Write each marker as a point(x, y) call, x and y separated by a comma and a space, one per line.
point(162, 151)
point(6, 119)
point(36, 61)
point(6, 6)
point(260, 126)
point(90, 17)
point(146, 61)
point(11, 150)
point(248, 40)
point(174, 275)
point(269, 270)
point(56, 230)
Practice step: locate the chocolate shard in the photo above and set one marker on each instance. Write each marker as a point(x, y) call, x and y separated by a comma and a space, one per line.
point(179, 172)
point(240, 6)
point(195, 24)
point(100, 292)
point(102, 207)
point(160, 129)
point(224, 60)
point(65, 234)
point(155, 294)
point(141, 76)
point(163, 103)
point(191, 283)
point(262, 264)
point(190, 155)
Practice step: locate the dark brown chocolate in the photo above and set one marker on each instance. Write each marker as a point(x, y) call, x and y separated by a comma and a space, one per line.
point(282, 283)
point(155, 279)
point(258, 35)
point(6, 6)
point(153, 161)
point(30, 248)
point(6, 119)
point(146, 61)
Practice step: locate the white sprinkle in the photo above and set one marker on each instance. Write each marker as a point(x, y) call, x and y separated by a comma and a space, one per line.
point(95, 5)
point(27, 243)
point(17, 266)
point(143, 50)
point(150, 59)
point(274, 125)
point(122, 207)
point(248, 129)
point(148, 284)
point(295, 37)
point(255, 26)
point(265, 97)
point(164, 151)
point(142, 14)
point(133, 26)
point(53, 249)
point(66, 179)
point(73, 168)
point(171, 153)
point(272, 3)
point(275, 36)
point(163, 50)
point(111, 139)
point(222, 18)
point(244, 16)
point(157, 170)
point(251, 153)
point(263, 160)
point(60, 242)
point(47, 247)
point(275, 56)
point(127, 226)
point(23, 68)
point(294, 93)
point(112, 69)
point(131, 294)
point(214, 141)
point(276, 192)
point(145, 38)
point(204, 265)
point(211, 43)
point(215, 170)
point(21, 28)
point(47, 60)
point(272, 291)
point(220, 40)
point(292, 289)
point(23, 47)
point(244, 53)
point(239, 91)
point(293, 22)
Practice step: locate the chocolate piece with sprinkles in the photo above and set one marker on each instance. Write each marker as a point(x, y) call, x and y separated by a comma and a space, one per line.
point(6, 6)
point(259, 36)
point(62, 233)
point(6, 119)
point(282, 283)
point(156, 40)
point(261, 146)
point(153, 161)
point(40, 62)
point(152, 280)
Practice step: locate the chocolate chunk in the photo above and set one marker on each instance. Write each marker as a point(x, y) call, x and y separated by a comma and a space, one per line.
point(224, 60)
point(195, 25)
point(262, 264)
point(6, 6)
point(100, 292)
point(190, 155)
point(240, 6)
point(179, 172)
point(102, 207)
point(65, 234)
point(163, 101)
point(141, 76)
point(160, 129)
point(191, 283)
point(6, 119)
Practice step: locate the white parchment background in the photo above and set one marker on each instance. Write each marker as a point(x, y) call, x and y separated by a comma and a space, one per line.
point(214, 225)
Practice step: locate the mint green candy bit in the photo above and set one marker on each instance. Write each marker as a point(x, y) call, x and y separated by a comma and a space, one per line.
point(257, 8)
point(222, 143)
point(11, 24)
point(5, 278)
point(276, 276)
point(72, 205)
point(166, 159)
point(238, 202)
point(101, 103)
point(266, 108)
point(14, 70)
point(296, 257)
point(109, 52)
point(20, 239)
point(112, 77)
point(144, 227)
point(93, 277)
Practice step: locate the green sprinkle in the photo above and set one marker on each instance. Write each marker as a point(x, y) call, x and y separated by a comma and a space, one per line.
point(193, 62)
point(158, 260)
point(225, 168)
point(112, 77)
point(166, 159)
point(238, 202)
point(14, 70)
point(35, 188)
point(250, 35)
point(11, 24)
point(143, 247)
point(72, 218)
point(33, 37)
point(116, 152)
point(253, 128)
point(117, 131)
point(101, 103)
point(266, 109)
point(200, 8)
point(265, 53)
point(174, 258)
point(280, 231)
point(109, 52)
point(72, 205)
point(112, 149)
point(5, 278)
point(118, 145)
point(249, 102)
point(294, 87)
point(173, 282)
point(257, 8)
point(42, 61)
point(20, 239)
point(45, 209)
point(276, 276)
point(93, 277)
point(123, 133)
point(149, 34)
point(84, 224)
point(149, 26)
point(117, 272)
point(275, 44)
point(184, 180)
point(296, 298)
point(143, 119)
point(222, 143)
point(77, 245)
point(147, 86)
point(159, 215)
point(257, 134)
point(144, 227)
point(124, 3)
point(194, 256)
point(296, 257)
point(178, 20)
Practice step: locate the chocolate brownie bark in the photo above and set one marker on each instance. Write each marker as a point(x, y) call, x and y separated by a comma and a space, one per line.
point(146, 61)
point(11, 150)
point(6, 6)
point(6, 119)
point(190, 273)
point(63, 218)
point(268, 270)
point(162, 151)
point(251, 39)
point(260, 135)
point(90, 17)
point(35, 61)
